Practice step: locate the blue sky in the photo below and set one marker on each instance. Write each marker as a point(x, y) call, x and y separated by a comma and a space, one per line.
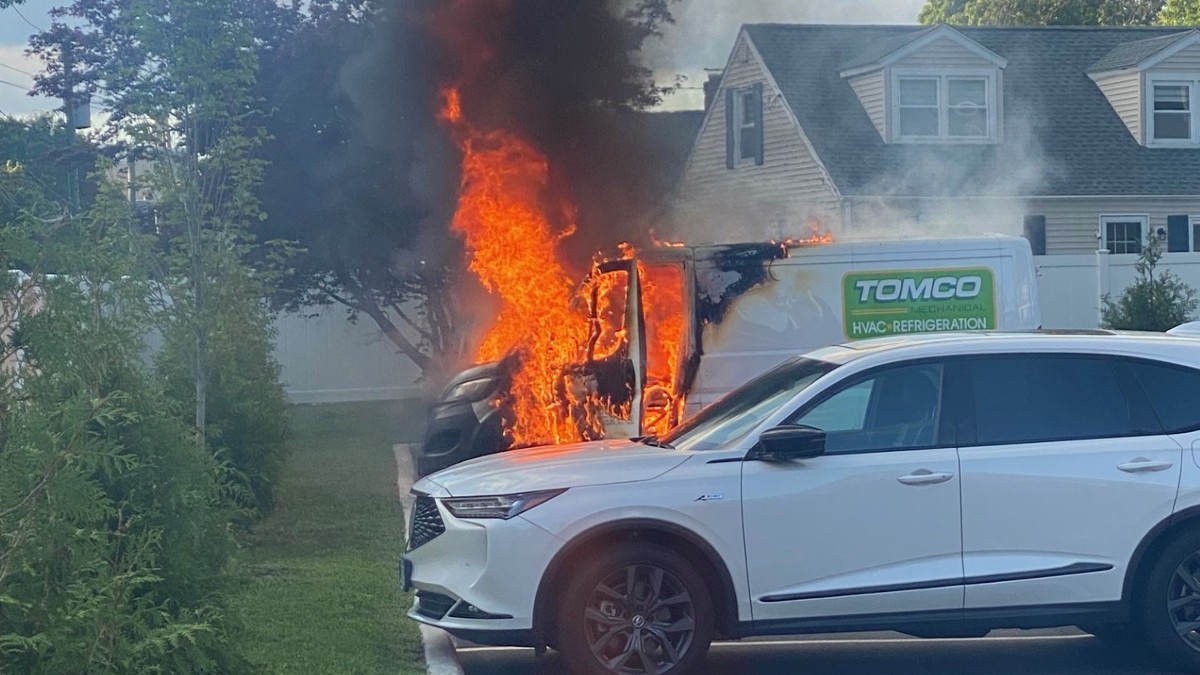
point(15, 67)
point(702, 38)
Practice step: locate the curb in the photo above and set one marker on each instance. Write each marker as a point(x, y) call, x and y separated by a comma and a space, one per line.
point(440, 655)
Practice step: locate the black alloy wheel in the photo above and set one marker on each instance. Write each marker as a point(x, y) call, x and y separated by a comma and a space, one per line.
point(636, 610)
point(1183, 600)
point(1170, 603)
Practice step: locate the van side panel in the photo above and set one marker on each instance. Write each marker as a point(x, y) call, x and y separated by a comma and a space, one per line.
point(801, 304)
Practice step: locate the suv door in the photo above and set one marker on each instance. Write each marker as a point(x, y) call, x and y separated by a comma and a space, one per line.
point(871, 526)
point(1064, 469)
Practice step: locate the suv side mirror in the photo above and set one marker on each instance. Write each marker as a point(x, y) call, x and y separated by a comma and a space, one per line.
point(790, 442)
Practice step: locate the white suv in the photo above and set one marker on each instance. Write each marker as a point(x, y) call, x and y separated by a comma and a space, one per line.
point(939, 485)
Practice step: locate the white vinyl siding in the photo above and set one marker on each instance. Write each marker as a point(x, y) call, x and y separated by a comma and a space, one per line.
point(1072, 224)
point(1186, 61)
point(871, 90)
point(715, 203)
point(1124, 93)
point(943, 53)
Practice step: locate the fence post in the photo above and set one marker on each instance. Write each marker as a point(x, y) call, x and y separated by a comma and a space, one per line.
point(1102, 283)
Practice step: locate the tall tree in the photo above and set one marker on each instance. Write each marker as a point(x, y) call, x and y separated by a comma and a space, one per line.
point(1041, 12)
point(178, 78)
point(1180, 13)
point(362, 176)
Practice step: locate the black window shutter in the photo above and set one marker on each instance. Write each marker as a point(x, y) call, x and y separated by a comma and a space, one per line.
point(1177, 234)
point(1035, 232)
point(758, 124)
point(730, 160)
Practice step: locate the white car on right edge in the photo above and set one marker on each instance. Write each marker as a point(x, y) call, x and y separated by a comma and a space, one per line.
point(938, 485)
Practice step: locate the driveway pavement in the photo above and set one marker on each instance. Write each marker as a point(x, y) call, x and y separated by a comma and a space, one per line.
point(1058, 652)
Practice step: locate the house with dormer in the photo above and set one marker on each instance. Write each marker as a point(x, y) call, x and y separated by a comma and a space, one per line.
point(1084, 139)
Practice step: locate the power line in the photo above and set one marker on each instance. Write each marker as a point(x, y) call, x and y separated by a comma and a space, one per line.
point(32, 24)
point(26, 72)
point(14, 84)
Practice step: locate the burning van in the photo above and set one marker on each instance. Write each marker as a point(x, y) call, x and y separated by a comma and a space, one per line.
point(674, 328)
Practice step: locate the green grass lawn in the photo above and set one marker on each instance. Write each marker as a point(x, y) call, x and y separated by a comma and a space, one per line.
point(316, 588)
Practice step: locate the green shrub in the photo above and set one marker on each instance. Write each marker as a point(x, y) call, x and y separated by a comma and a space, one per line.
point(246, 420)
point(113, 531)
point(1156, 301)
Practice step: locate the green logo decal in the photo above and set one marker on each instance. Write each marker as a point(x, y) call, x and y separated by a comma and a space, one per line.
point(918, 301)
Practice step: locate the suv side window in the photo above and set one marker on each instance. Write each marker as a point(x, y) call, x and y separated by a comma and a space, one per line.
point(1034, 398)
point(1172, 392)
point(893, 409)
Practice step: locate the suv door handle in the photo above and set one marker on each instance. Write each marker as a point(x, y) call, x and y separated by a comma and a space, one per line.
point(925, 477)
point(1143, 465)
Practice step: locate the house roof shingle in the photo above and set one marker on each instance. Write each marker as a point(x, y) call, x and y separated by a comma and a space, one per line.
point(1061, 136)
point(1129, 54)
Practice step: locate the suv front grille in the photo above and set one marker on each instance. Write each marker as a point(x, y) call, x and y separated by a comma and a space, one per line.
point(426, 522)
point(433, 605)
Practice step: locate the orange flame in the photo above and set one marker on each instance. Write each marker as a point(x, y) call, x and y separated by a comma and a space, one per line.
point(662, 301)
point(511, 244)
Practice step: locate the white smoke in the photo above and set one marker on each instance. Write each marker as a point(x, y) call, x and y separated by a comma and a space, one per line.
point(704, 31)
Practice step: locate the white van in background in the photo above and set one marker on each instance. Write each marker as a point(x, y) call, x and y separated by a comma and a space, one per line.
point(845, 291)
point(699, 321)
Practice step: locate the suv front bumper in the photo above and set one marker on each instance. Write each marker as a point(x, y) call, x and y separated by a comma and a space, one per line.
point(478, 579)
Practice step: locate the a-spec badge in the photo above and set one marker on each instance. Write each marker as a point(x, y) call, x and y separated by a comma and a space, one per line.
point(711, 497)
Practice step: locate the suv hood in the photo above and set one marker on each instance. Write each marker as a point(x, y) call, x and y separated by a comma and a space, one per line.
point(556, 466)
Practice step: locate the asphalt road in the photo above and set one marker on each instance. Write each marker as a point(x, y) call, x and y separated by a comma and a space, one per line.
point(1036, 653)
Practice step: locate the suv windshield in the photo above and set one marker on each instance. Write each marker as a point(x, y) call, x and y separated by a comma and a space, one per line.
point(735, 414)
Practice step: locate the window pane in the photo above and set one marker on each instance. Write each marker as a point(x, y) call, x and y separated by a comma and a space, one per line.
point(918, 122)
point(1031, 399)
point(1172, 393)
point(1123, 236)
point(1172, 125)
point(1172, 97)
point(894, 410)
point(967, 92)
point(749, 110)
point(968, 122)
point(922, 91)
point(844, 411)
point(748, 142)
point(1196, 236)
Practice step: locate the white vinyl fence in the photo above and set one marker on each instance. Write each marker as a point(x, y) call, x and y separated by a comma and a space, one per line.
point(328, 359)
point(1072, 286)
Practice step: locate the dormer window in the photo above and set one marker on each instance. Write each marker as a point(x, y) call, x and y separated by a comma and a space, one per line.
point(944, 107)
point(1172, 105)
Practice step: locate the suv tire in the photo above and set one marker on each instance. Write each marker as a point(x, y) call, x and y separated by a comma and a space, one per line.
point(1170, 605)
point(635, 609)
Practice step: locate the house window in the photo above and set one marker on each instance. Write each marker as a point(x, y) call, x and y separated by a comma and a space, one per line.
point(1123, 234)
point(748, 119)
point(1196, 233)
point(919, 109)
point(944, 107)
point(1172, 119)
point(744, 126)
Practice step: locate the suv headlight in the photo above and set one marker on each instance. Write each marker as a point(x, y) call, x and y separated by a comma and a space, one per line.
point(471, 390)
point(499, 506)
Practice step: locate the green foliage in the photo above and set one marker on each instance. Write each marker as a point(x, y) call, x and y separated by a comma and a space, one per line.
point(1155, 302)
point(113, 532)
point(1041, 12)
point(247, 410)
point(179, 79)
point(1180, 13)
